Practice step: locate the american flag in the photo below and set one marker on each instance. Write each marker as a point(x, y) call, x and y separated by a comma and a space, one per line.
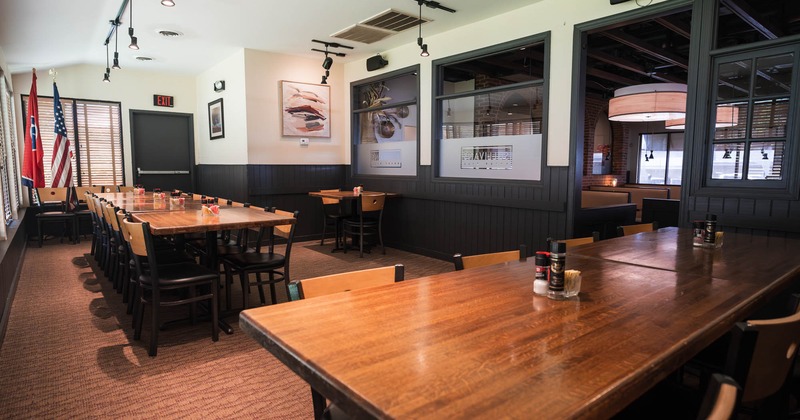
point(61, 164)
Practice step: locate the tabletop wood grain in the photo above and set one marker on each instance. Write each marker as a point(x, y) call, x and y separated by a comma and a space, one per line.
point(347, 195)
point(189, 220)
point(478, 343)
point(744, 257)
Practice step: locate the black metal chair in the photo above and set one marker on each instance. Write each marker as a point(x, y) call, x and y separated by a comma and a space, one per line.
point(366, 223)
point(332, 216)
point(189, 283)
point(53, 210)
point(261, 261)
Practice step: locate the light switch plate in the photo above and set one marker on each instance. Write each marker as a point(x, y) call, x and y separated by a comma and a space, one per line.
point(304, 141)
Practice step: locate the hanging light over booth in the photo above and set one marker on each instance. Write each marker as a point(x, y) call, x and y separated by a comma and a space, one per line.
point(727, 116)
point(648, 102)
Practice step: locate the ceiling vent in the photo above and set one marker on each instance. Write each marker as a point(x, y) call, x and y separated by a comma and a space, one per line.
point(387, 23)
point(170, 34)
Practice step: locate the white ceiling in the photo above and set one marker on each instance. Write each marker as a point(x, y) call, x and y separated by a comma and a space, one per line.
point(53, 33)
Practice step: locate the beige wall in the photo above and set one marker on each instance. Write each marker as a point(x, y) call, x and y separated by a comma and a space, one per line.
point(134, 89)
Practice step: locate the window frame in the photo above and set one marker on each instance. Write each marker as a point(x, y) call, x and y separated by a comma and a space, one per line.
point(439, 98)
point(703, 129)
point(355, 123)
point(669, 135)
point(75, 138)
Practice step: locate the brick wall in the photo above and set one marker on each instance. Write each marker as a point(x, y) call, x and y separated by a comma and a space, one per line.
point(619, 145)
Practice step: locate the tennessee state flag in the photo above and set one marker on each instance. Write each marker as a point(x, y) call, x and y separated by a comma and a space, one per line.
point(32, 163)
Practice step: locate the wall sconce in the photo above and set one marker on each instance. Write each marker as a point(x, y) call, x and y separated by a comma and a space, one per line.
point(219, 86)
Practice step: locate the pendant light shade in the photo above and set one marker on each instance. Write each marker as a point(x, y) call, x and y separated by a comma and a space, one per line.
point(648, 102)
point(727, 116)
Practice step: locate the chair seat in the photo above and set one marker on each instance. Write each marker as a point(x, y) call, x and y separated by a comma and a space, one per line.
point(255, 261)
point(355, 222)
point(55, 214)
point(180, 275)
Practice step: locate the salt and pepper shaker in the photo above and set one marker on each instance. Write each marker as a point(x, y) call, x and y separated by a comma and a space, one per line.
point(542, 261)
point(698, 232)
point(710, 233)
point(558, 262)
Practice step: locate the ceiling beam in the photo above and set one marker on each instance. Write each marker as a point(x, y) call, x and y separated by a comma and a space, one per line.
point(631, 66)
point(752, 18)
point(602, 74)
point(673, 25)
point(646, 48)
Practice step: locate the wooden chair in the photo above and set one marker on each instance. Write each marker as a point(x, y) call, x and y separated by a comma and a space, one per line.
point(332, 216)
point(115, 272)
point(338, 283)
point(124, 188)
point(366, 223)
point(463, 262)
point(633, 229)
point(720, 399)
point(262, 261)
point(198, 282)
point(760, 359)
point(344, 282)
point(107, 188)
point(580, 241)
point(53, 209)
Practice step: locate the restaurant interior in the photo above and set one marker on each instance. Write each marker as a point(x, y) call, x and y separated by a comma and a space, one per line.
point(400, 209)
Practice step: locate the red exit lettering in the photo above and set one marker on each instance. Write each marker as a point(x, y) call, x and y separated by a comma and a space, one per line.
point(163, 100)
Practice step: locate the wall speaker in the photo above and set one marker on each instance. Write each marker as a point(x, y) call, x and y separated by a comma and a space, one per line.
point(375, 63)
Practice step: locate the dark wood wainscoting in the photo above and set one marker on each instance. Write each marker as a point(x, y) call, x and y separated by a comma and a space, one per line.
point(749, 215)
point(434, 218)
point(11, 252)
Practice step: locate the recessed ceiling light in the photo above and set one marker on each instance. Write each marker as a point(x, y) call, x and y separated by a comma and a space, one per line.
point(142, 58)
point(170, 34)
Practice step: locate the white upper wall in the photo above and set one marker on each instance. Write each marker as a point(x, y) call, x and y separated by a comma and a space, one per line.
point(134, 89)
point(231, 149)
point(558, 17)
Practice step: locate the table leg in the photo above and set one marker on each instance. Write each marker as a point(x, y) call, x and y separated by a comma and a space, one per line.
point(213, 264)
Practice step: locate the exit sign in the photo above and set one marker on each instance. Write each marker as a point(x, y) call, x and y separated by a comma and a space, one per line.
point(163, 100)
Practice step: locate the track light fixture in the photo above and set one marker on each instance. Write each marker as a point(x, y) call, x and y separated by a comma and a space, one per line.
point(328, 61)
point(116, 45)
point(420, 42)
point(651, 155)
point(168, 3)
point(134, 41)
point(108, 70)
point(727, 154)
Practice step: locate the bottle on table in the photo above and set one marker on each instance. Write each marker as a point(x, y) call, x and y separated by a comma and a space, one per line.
point(558, 263)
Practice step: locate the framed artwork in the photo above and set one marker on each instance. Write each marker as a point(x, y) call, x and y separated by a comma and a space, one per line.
point(305, 109)
point(216, 120)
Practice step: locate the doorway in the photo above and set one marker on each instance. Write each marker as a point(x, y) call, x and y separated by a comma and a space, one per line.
point(162, 145)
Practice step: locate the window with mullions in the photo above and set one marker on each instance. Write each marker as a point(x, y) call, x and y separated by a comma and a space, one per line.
point(490, 108)
point(386, 125)
point(751, 114)
point(95, 132)
point(660, 159)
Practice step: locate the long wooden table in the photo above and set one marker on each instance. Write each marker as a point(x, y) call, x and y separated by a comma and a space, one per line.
point(478, 343)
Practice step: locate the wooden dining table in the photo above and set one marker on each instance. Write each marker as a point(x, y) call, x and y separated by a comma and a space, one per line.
point(344, 198)
point(478, 343)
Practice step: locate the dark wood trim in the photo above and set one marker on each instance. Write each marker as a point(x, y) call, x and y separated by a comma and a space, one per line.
point(12, 252)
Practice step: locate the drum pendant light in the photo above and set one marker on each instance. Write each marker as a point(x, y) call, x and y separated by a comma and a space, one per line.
point(648, 102)
point(727, 116)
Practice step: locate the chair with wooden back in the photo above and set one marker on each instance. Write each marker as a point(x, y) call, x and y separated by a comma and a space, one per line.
point(760, 358)
point(200, 283)
point(462, 262)
point(115, 272)
point(107, 188)
point(339, 283)
point(366, 223)
point(332, 215)
point(634, 229)
point(102, 251)
point(581, 241)
point(344, 282)
point(263, 260)
point(720, 399)
point(124, 188)
point(53, 209)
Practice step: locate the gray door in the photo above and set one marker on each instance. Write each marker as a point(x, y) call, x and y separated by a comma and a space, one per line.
point(163, 150)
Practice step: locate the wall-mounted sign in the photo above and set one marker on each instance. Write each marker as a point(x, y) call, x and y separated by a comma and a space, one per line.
point(163, 100)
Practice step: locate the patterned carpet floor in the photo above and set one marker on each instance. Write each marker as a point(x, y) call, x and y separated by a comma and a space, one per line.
point(69, 350)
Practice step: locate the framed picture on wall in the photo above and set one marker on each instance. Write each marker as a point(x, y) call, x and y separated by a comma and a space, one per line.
point(305, 109)
point(216, 120)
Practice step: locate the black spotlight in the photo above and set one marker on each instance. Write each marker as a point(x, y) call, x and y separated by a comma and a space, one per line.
point(325, 78)
point(327, 63)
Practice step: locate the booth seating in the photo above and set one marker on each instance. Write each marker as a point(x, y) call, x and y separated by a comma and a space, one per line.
point(603, 198)
point(637, 194)
point(665, 211)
